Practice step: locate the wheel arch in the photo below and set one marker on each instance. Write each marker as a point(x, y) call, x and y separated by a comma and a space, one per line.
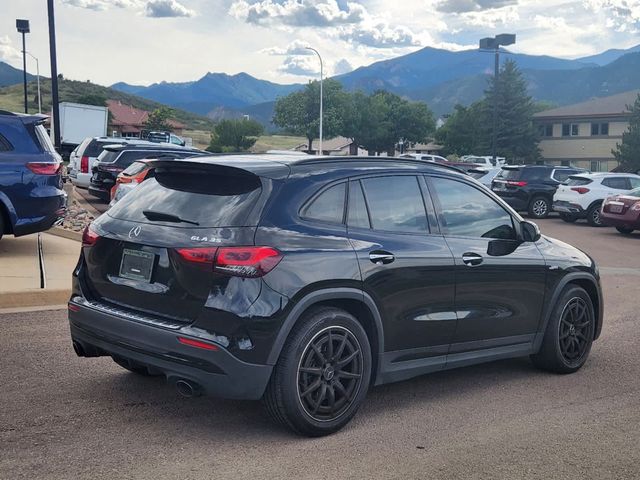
point(584, 280)
point(356, 302)
point(7, 213)
point(594, 203)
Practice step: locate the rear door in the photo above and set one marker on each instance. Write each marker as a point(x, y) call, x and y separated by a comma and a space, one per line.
point(500, 280)
point(406, 266)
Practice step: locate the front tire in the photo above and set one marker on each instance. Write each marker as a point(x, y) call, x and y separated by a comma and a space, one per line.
point(539, 207)
point(593, 215)
point(569, 335)
point(323, 373)
point(625, 230)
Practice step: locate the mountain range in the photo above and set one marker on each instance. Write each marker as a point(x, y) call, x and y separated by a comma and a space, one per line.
point(10, 75)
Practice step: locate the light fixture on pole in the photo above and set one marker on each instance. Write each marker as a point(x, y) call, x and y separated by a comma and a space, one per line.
point(38, 79)
point(23, 27)
point(321, 71)
point(493, 44)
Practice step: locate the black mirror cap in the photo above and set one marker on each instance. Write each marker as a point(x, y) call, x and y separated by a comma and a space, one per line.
point(530, 231)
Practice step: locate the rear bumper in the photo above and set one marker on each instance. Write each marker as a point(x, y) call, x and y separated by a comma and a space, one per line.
point(217, 373)
point(81, 180)
point(567, 207)
point(629, 219)
point(101, 193)
point(26, 226)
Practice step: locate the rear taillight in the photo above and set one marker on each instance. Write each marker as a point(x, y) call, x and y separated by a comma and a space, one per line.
point(42, 168)
point(516, 184)
point(580, 190)
point(84, 164)
point(248, 262)
point(89, 237)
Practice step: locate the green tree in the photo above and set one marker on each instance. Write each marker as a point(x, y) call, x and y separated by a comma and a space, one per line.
point(92, 99)
point(627, 153)
point(235, 135)
point(466, 131)
point(517, 139)
point(299, 112)
point(158, 120)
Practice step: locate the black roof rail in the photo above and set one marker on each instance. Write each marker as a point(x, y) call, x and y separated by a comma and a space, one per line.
point(306, 161)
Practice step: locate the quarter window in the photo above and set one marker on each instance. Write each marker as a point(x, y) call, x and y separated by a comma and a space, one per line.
point(467, 212)
point(5, 145)
point(358, 215)
point(396, 204)
point(328, 206)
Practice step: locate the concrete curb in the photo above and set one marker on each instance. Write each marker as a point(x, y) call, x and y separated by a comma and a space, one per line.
point(34, 298)
point(64, 233)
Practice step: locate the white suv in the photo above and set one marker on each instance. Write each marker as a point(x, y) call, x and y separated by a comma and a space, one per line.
point(581, 196)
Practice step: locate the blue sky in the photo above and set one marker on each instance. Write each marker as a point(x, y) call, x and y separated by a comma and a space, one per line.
point(145, 41)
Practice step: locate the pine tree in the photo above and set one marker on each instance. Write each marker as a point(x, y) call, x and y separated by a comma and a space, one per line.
point(516, 139)
point(627, 153)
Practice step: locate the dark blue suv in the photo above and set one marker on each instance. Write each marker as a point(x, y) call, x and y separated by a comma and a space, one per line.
point(31, 194)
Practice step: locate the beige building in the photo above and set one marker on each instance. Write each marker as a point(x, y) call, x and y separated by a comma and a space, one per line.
point(584, 134)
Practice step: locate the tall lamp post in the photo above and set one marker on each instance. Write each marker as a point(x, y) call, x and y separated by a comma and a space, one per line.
point(38, 78)
point(23, 27)
point(55, 108)
point(492, 44)
point(321, 71)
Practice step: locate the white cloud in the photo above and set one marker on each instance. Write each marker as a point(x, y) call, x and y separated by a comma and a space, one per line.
point(300, 66)
point(622, 15)
point(380, 35)
point(148, 8)
point(342, 66)
point(167, 8)
point(7, 51)
point(297, 47)
point(297, 13)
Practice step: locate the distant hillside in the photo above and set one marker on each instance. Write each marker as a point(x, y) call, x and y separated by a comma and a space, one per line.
point(211, 91)
point(609, 56)
point(10, 75)
point(73, 91)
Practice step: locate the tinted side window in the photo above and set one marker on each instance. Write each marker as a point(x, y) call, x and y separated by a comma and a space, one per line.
point(328, 206)
point(467, 212)
point(358, 215)
point(396, 204)
point(619, 183)
point(5, 145)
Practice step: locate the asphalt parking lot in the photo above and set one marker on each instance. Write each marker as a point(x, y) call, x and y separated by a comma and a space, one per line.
point(66, 417)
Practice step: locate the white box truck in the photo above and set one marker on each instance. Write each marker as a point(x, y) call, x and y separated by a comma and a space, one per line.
point(78, 121)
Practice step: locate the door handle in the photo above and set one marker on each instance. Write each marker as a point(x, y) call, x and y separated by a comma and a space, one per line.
point(380, 257)
point(471, 259)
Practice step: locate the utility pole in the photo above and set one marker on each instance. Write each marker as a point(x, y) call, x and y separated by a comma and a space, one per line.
point(321, 72)
point(23, 27)
point(55, 108)
point(38, 80)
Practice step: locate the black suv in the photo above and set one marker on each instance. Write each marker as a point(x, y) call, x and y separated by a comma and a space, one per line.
point(530, 188)
point(116, 158)
point(305, 281)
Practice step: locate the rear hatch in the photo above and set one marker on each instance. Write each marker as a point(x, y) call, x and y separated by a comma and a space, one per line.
point(620, 204)
point(154, 251)
point(508, 181)
point(571, 190)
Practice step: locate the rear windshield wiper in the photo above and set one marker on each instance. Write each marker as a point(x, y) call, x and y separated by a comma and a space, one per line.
point(167, 217)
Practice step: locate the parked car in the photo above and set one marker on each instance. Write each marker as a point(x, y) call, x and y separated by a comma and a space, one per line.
point(31, 194)
point(304, 281)
point(437, 159)
point(530, 188)
point(83, 158)
point(622, 211)
point(484, 175)
point(484, 161)
point(116, 158)
point(582, 195)
point(130, 178)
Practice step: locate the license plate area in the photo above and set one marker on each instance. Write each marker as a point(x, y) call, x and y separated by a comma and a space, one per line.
point(615, 207)
point(137, 265)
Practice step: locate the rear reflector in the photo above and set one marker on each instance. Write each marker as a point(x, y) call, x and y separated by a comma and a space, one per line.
point(41, 168)
point(247, 261)
point(516, 184)
point(84, 164)
point(197, 343)
point(89, 237)
point(580, 190)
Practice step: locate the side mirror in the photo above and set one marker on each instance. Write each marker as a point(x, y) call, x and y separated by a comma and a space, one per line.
point(530, 231)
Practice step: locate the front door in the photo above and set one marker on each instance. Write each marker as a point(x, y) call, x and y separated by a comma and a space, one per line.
point(406, 266)
point(500, 280)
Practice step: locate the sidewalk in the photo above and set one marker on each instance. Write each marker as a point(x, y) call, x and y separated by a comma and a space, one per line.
point(20, 270)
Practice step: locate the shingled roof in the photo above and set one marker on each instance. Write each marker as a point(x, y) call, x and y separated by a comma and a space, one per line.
point(128, 116)
point(614, 105)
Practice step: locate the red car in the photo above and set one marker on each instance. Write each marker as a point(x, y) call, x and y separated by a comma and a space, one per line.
point(622, 211)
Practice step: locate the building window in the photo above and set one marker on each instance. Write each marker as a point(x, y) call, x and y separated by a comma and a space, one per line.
point(545, 130)
point(595, 165)
point(599, 129)
point(569, 129)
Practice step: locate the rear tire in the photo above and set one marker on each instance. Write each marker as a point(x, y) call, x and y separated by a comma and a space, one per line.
point(569, 335)
point(625, 230)
point(567, 217)
point(132, 367)
point(539, 207)
point(593, 215)
point(322, 375)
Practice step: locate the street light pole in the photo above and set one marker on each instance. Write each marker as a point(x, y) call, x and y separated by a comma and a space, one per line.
point(23, 27)
point(38, 78)
point(321, 95)
point(55, 108)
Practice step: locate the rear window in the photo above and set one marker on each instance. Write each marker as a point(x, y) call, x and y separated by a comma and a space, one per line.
point(108, 156)
point(578, 181)
point(510, 174)
point(95, 147)
point(44, 140)
point(216, 197)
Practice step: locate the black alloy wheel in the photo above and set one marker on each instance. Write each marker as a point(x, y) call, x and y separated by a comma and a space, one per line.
point(330, 373)
point(575, 331)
